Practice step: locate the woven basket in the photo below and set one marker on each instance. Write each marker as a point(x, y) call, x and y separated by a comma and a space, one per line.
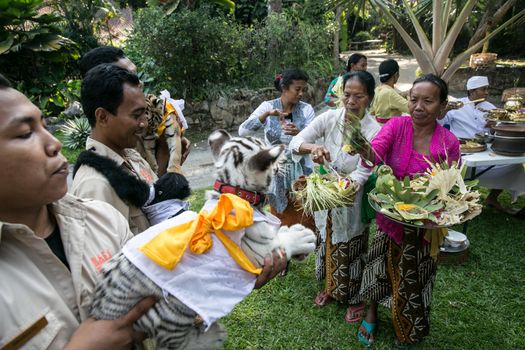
point(480, 60)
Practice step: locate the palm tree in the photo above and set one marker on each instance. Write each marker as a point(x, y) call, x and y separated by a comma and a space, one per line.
point(432, 55)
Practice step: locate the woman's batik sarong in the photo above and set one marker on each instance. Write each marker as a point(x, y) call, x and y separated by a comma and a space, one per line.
point(402, 277)
point(341, 265)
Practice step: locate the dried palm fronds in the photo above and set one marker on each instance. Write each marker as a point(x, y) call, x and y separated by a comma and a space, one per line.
point(324, 191)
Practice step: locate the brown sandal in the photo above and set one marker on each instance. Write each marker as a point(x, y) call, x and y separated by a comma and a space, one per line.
point(323, 298)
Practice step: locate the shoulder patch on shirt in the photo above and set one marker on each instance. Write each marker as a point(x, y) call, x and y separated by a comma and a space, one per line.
point(99, 259)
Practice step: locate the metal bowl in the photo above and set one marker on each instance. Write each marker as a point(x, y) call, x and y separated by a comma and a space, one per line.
point(508, 145)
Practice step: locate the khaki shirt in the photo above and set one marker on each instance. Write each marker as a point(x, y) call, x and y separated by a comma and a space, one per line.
point(89, 183)
point(38, 293)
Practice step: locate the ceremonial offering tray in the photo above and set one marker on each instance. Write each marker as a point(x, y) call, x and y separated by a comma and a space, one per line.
point(513, 103)
point(324, 191)
point(471, 146)
point(425, 224)
point(435, 199)
point(497, 114)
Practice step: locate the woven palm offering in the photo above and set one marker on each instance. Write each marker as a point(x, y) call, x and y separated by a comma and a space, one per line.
point(437, 198)
point(353, 139)
point(324, 191)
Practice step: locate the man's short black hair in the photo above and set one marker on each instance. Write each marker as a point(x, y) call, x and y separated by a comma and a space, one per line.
point(99, 55)
point(103, 87)
point(4, 82)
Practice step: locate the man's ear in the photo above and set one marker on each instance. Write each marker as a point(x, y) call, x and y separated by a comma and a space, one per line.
point(101, 116)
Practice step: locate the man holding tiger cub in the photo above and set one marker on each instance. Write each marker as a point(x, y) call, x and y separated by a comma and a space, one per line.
point(52, 244)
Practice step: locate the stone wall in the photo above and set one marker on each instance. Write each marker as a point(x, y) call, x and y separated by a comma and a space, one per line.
point(229, 112)
point(500, 78)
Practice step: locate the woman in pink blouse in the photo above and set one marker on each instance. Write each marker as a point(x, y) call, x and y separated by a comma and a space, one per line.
point(400, 271)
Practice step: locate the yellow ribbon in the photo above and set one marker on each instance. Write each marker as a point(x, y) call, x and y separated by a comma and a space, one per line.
point(231, 214)
point(169, 109)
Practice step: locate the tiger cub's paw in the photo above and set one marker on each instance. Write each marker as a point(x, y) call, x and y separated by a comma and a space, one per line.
point(297, 240)
point(213, 338)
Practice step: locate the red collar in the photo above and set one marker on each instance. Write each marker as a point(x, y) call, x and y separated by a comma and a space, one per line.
point(251, 196)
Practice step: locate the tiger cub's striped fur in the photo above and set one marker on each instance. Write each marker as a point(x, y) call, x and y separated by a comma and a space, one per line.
point(147, 146)
point(244, 162)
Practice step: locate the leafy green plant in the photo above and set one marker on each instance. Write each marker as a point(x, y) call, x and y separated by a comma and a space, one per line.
point(283, 41)
point(75, 132)
point(34, 54)
point(362, 36)
point(24, 29)
point(222, 54)
point(181, 58)
point(250, 11)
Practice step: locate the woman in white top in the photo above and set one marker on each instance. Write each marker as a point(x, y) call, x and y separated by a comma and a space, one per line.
point(343, 236)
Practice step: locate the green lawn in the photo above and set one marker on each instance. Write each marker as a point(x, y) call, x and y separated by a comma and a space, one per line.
point(480, 305)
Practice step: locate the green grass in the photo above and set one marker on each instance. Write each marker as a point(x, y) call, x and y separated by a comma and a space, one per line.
point(479, 305)
point(70, 154)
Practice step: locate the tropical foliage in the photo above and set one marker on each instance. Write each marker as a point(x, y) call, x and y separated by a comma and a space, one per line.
point(36, 52)
point(75, 132)
point(448, 18)
point(222, 53)
point(179, 57)
point(23, 28)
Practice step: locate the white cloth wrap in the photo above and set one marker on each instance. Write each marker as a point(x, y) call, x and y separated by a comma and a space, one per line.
point(212, 283)
point(164, 210)
point(346, 221)
point(477, 81)
point(177, 104)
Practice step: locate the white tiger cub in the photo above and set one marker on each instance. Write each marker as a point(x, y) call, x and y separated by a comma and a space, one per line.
point(212, 283)
point(249, 164)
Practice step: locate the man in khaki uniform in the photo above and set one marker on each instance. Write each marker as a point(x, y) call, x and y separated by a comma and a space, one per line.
point(162, 160)
point(114, 104)
point(51, 245)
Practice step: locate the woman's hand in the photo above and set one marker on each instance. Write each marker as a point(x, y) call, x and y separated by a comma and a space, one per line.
point(272, 112)
point(320, 154)
point(289, 129)
point(367, 155)
point(111, 335)
point(277, 113)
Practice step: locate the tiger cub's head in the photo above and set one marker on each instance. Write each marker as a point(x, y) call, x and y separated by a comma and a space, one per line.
point(247, 162)
point(153, 112)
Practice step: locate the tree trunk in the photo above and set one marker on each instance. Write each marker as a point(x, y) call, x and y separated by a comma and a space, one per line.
point(486, 45)
point(490, 21)
point(337, 30)
point(275, 6)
